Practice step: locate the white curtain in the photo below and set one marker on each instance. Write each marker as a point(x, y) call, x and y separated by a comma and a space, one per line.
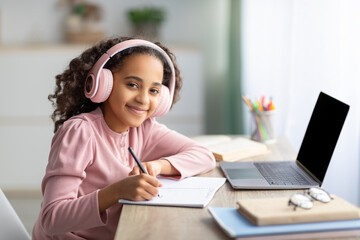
point(292, 50)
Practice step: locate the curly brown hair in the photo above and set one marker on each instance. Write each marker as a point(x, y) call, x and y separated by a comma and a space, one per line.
point(69, 98)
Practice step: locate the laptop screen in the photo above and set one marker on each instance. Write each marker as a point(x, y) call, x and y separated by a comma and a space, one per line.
point(322, 134)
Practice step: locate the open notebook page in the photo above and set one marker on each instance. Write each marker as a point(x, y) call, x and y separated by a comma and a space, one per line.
point(189, 192)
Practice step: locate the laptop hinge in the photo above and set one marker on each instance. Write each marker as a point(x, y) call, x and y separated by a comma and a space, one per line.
point(308, 172)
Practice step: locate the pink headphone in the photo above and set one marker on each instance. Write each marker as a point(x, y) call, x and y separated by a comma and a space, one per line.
point(99, 81)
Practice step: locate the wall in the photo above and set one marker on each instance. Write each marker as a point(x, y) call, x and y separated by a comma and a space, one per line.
point(25, 125)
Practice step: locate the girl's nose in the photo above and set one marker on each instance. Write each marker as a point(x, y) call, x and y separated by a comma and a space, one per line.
point(143, 97)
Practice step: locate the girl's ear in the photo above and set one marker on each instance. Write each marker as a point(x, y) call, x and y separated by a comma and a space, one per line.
point(164, 102)
point(99, 91)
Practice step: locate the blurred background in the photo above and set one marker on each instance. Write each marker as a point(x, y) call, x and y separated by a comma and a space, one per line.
point(289, 50)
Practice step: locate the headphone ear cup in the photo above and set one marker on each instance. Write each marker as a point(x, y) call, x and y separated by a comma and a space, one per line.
point(105, 86)
point(164, 102)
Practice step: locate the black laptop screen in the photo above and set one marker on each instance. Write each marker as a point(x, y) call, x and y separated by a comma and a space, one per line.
point(322, 134)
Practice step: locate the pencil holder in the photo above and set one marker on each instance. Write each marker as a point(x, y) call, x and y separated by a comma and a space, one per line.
point(262, 126)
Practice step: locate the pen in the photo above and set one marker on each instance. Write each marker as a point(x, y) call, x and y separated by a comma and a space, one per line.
point(137, 161)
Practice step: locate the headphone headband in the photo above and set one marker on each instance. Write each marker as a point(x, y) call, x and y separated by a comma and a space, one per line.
point(96, 70)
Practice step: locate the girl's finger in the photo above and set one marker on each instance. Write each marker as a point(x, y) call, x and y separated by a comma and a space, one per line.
point(135, 171)
point(151, 170)
point(153, 181)
point(153, 191)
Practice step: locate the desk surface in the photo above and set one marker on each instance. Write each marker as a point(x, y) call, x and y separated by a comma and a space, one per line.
point(151, 222)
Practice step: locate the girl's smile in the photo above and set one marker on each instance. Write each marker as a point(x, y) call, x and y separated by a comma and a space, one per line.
point(136, 110)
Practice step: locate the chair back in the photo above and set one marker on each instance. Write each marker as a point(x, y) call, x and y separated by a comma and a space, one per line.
point(11, 227)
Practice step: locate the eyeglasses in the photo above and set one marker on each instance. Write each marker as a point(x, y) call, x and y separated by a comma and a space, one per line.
point(305, 200)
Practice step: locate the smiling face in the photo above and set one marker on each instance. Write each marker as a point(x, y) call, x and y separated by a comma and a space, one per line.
point(135, 94)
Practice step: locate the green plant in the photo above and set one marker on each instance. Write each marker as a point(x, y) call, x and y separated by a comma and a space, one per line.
point(146, 15)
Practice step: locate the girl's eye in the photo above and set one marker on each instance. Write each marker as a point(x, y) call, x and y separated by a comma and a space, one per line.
point(155, 91)
point(132, 85)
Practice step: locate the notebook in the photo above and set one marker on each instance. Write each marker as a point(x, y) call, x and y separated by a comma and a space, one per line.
point(313, 158)
point(194, 192)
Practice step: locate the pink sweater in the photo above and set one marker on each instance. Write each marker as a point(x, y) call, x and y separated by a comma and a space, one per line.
point(86, 155)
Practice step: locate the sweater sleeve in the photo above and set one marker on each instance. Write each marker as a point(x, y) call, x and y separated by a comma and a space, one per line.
point(64, 207)
point(188, 157)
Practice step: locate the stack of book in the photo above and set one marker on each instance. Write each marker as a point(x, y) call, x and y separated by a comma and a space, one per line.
point(272, 218)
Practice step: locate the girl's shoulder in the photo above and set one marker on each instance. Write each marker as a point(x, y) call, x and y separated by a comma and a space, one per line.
point(84, 122)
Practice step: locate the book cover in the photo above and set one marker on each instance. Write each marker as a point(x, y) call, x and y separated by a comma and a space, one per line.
point(235, 225)
point(274, 211)
point(226, 148)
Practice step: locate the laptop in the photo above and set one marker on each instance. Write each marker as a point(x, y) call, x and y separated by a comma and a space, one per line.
point(313, 158)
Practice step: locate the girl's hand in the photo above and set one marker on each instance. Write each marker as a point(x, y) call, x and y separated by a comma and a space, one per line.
point(138, 187)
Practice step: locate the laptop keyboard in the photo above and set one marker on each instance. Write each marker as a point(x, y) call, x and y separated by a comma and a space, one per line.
point(283, 173)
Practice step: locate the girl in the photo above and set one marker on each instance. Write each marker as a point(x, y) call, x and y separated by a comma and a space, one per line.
point(105, 102)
